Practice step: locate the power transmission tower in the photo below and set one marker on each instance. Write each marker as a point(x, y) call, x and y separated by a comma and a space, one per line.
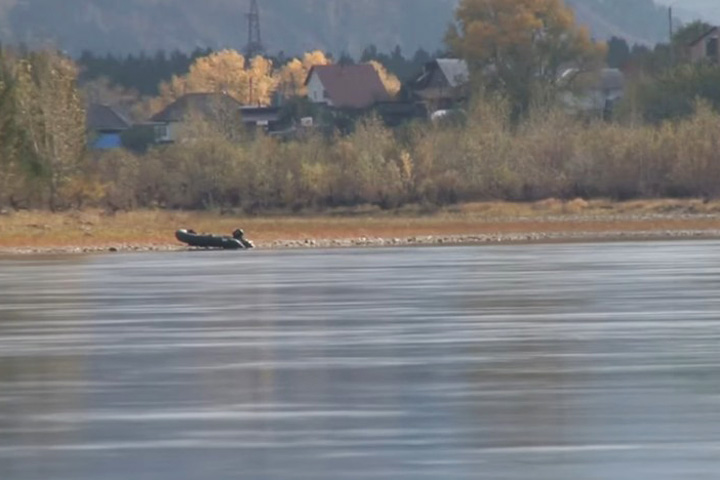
point(254, 45)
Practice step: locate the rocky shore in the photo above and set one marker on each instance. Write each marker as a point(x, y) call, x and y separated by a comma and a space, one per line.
point(418, 240)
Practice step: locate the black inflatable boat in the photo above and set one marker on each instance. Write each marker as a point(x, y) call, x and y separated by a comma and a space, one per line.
point(205, 240)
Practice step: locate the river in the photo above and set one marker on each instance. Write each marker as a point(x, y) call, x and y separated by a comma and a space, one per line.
point(543, 362)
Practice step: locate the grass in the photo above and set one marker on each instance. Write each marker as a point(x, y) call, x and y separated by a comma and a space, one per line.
point(94, 228)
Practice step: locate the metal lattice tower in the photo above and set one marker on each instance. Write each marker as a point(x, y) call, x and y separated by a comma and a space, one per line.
point(254, 45)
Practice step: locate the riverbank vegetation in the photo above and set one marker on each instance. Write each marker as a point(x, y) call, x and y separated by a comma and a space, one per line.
point(484, 156)
point(504, 144)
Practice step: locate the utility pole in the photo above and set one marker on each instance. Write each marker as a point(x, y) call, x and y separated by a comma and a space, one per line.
point(254, 45)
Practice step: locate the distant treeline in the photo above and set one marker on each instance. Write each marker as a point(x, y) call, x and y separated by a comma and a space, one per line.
point(142, 73)
point(145, 72)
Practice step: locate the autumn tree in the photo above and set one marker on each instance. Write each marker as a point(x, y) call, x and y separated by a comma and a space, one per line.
point(294, 73)
point(11, 136)
point(225, 71)
point(390, 81)
point(101, 90)
point(519, 46)
point(51, 115)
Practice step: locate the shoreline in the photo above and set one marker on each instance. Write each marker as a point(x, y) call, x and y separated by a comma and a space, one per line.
point(379, 242)
point(482, 223)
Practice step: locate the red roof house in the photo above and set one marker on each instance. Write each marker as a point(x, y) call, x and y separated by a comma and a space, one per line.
point(345, 86)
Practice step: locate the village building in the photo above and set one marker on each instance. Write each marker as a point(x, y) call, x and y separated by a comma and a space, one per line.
point(170, 123)
point(105, 126)
point(595, 92)
point(354, 87)
point(442, 84)
point(705, 48)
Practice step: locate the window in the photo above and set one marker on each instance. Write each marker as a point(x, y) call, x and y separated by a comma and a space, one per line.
point(161, 132)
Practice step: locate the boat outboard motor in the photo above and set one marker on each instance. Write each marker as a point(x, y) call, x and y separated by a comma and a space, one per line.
point(239, 235)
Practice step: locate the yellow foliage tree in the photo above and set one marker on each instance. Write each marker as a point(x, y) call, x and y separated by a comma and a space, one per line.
point(390, 81)
point(520, 45)
point(294, 73)
point(52, 117)
point(223, 72)
point(262, 83)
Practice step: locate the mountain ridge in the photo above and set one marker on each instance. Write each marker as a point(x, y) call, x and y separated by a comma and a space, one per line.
point(292, 26)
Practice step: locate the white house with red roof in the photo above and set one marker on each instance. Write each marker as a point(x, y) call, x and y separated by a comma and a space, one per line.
point(346, 86)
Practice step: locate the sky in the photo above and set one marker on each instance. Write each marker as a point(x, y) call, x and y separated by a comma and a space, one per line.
point(707, 10)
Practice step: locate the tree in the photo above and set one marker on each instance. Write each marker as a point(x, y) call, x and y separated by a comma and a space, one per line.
point(262, 82)
point(672, 95)
point(294, 73)
point(618, 52)
point(519, 46)
point(390, 81)
point(225, 71)
point(689, 33)
point(11, 158)
point(52, 117)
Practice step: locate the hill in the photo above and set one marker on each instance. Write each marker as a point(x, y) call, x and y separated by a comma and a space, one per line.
point(288, 25)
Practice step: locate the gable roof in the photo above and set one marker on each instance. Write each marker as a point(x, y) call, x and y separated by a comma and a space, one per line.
point(703, 36)
point(350, 86)
point(441, 73)
point(103, 118)
point(605, 79)
point(205, 104)
point(455, 71)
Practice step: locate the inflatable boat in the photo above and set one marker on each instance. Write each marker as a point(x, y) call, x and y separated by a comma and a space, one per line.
point(206, 240)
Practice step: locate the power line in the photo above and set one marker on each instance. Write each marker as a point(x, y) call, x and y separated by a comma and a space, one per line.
point(254, 45)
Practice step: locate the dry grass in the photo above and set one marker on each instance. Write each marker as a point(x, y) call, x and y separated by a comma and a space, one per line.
point(39, 229)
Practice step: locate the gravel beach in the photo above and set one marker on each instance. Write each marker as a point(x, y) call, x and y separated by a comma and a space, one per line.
point(381, 241)
point(85, 232)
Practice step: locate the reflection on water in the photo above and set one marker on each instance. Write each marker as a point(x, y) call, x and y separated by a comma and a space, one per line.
point(554, 362)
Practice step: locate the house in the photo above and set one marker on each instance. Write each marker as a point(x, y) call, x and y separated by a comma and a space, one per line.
point(595, 92)
point(705, 47)
point(105, 126)
point(352, 87)
point(262, 118)
point(215, 107)
point(442, 83)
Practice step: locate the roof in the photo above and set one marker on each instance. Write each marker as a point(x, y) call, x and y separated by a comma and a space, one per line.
point(603, 79)
point(350, 86)
point(702, 37)
point(103, 118)
point(205, 104)
point(442, 73)
point(456, 71)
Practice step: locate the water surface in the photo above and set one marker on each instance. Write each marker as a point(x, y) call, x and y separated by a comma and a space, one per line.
point(547, 362)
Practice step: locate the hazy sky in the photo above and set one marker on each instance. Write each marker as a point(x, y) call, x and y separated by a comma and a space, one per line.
point(707, 10)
